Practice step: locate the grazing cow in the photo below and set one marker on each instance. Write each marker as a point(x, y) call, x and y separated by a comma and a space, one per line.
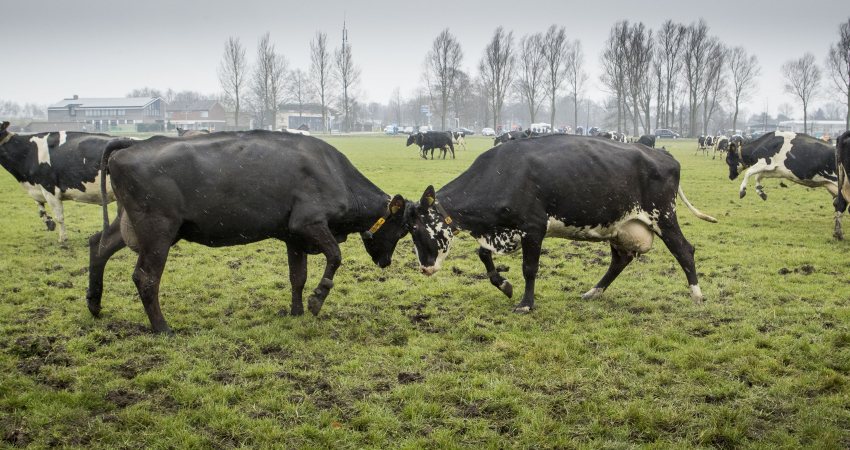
point(53, 167)
point(430, 140)
point(188, 133)
point(721, 144)
point(560, 186)
point(842, 159)
point(459, 138)
point(236, 188)
point(647, 140)
point(797, 157)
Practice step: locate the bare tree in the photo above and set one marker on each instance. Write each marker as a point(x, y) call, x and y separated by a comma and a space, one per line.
point(638, 54)
point(575, 75)
point(147, 92)
point(554, 54)
point(744, 70)
point(298, 89)
point(697, 46)
point(530, 65)
point(614, 73)
point(802, 79)
point(670, 44)
point(267, 82)
point(838, 64)
point(320, 71)
point(348, 75)
point(443, 63)
point(497, 69)
point(232, 72)
point(715, 82)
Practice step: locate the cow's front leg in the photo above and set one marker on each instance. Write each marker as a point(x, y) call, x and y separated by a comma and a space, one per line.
point(48, 221)
point(531, 246)
point(743, 190)
point(496, 279)
point(297, 276)
point(320, 236)
point(58, 213)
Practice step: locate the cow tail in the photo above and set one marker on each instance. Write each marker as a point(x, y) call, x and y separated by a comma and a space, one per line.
point(693, 209)
point(111, 146)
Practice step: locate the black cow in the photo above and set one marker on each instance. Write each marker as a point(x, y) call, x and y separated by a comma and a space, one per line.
point(430, 140)
point(188, 133)
point(647, 140)
point(53, 167)
point(560, 186)
point(842, 158)
point(235, 188)
point(797, 157)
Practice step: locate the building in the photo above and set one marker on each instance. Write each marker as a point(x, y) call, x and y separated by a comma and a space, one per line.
point(816, 128)
point(107, 114)
point(197, 115)
point(290, 115)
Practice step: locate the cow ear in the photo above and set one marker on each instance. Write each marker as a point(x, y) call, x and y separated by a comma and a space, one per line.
point(428, 198)
point(4, 126)
point(396, 205)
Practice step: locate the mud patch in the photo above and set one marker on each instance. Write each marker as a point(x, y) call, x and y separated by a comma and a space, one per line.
point(805, 269)
point(60, 284)
point(275, 351)
point(123, 328)
point(135, 366)
point(123, 398)
point(410, 377)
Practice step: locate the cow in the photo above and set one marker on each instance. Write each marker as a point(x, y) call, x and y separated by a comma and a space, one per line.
point(459, 138)
point(510, 136)
point(842, 160)
point(798, 157)
point(560, 186)
point(234, 188)
point(189, 133)
point(721, 144)
point(430, 140)
point(54, 167)
point(647, 140)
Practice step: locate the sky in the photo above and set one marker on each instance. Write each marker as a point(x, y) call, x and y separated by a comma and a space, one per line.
point(96, 48)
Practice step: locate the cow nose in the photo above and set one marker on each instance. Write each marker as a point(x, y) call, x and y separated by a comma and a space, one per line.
point(427, 270)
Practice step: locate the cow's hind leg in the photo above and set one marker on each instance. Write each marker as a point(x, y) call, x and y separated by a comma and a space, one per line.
point(48, 221)
point(619, 260)
point(496, 279)
point(683, 251)
point(531, 246)
point(297, 276)
point(318, 235)
point(840, 205)
point(98, 257)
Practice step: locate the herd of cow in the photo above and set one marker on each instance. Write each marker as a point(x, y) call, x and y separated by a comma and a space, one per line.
point(232, 188)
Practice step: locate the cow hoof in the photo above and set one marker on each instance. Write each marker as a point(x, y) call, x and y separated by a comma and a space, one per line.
point(838, 235)
point(51, 225)
point(165, 331)
point(522, 309)
point(314, 304)
point(696, 294)
point(507, 288)
point(94, 309)
point(763, 195)
point(593, 293)
point(742, 193)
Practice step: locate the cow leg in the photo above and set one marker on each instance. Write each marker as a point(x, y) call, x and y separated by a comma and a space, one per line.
point(147, 276)
point(452, 148)
point(48, 221)
point(683, 251)
point(759, 187)
point(320, 236)
point(58, 213)
point(619, 261)
point(98, 257)
point(297, 276)
point(531, 246)
point(750, 172)
point(496, 279)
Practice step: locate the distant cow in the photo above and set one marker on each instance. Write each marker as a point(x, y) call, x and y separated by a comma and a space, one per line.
point(509, 136)
point(721, 144)
point(188, 133)
point(647, 140)
point(459, 138)
point(431, 140)
point(53, 167)
point(236, 188)
point(797, 157)
point(560, 186)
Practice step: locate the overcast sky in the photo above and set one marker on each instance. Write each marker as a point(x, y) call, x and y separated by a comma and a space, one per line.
point(97, 48)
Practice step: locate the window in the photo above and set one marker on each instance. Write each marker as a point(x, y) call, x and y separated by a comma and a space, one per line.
point(205, 114)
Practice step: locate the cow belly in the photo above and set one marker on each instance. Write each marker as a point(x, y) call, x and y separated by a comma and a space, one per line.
point(634, 232)
point(507, 241)
point(90, 194)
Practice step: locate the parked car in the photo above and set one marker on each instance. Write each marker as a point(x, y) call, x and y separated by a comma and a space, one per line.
point(465, 131)
point(390, 129)
point(407, 130)
point(488, 132)
point(663, 133)
point(424, 128)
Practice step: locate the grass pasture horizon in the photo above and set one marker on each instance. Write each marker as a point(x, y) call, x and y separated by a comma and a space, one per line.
point(397, 359)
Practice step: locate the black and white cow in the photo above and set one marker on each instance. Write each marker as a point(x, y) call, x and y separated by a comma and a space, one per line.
point(459, 138)
point(54, 167)
point(510, 136)
point(560, 186)
point(842, 158)
point(647, 140)
point(721, 144)
point(797, 157)
point(236, 188)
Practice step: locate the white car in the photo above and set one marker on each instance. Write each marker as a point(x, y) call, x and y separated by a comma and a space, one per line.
point(424, 128)
point(488, 132)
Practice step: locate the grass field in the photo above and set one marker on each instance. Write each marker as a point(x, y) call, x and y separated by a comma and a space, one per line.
point(400, 360)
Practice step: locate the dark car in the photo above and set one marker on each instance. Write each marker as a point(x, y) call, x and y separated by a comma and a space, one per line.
point(464, 130)
point(662, 133)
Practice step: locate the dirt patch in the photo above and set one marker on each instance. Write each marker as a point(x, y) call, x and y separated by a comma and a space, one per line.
point(275, 351)
point(60, 284)
point(123, 328)
point(123, 398)
point(410, 377)
point(135, 366)
point(79, 272)
point(224, 377)
point(17, 437)
point(805, 269)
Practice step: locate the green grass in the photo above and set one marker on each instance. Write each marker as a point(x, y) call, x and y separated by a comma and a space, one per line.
point(400, 360)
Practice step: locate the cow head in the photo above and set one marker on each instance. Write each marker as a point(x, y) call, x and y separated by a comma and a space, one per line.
point(4, 131)
point(431, 231)
point(733, 160)
point(410, 139)
point(381, 239)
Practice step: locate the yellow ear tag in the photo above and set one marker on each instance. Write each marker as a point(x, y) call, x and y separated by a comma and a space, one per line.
point(448, 220)
point(394, 209)
point(377, 225)
point(430, 201)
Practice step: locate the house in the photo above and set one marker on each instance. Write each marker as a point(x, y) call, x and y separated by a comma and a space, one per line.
point(197, 115)
point(292, 115)
point(106, 114)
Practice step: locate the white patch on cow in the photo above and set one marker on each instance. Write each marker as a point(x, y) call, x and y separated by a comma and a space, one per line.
point(33, 191)
point(63, 137)
point(592, 293)
point(502, 242)
point(91, 193)
point(42, 148)
point(633, 232)
point(696, 293)
point(442, 233)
